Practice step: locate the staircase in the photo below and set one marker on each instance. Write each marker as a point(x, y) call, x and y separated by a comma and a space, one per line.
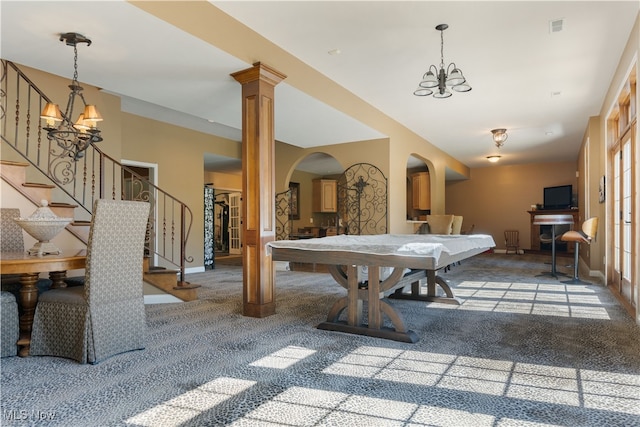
point(71, 187)
point(14, 174)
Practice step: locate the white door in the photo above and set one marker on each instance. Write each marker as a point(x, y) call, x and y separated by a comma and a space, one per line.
point(235, 223)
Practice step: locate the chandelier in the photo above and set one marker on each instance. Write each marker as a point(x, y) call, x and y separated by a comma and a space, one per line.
point(73, 138)
point(499, 136)
point(441, 79)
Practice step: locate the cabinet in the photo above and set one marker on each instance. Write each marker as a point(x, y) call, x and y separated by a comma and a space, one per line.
point(536, 231)
point(325, 195)
point(421, 190)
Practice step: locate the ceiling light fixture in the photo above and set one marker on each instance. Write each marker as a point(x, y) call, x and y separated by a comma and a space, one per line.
point(441, 79)
point(499, 136)
point(494, 158)
point(73, 138)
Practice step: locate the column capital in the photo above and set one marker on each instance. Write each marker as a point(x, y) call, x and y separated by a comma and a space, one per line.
point(259, 71)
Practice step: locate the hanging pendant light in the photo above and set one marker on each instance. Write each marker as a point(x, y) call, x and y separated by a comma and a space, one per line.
point(443, 80)
point(73, 137)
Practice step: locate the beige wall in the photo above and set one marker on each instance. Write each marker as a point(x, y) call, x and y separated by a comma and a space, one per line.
point(224, 181)
point(179, 154)
point(595, 147)
point(497, 198)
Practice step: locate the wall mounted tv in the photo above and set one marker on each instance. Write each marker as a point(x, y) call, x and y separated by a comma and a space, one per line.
point(558, 197)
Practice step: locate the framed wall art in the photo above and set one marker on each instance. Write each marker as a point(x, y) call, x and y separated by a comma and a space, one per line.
point(601, 190)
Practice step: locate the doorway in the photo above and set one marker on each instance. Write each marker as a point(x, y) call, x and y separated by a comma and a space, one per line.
point(138, 184)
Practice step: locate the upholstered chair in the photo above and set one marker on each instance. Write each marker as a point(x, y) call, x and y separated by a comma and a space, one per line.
point(440, 224)
point(106, 316)
point(586, 235)
point(12, 240)
point(456, 225)
point(10, 327)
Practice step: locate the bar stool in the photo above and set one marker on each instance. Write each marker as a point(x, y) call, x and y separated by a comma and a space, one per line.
point(588, 232)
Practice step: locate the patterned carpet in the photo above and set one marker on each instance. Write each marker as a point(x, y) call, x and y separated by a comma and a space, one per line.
point(521, 350)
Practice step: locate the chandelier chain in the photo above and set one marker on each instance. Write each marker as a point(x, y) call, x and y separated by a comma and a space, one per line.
point(441, 49)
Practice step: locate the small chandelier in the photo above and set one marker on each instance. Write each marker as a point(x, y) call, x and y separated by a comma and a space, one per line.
point(441, 79)
point(73, 138)
point(499, 136)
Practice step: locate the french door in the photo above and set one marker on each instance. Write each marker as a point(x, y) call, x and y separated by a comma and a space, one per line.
point(623, 230)
point(235, 223)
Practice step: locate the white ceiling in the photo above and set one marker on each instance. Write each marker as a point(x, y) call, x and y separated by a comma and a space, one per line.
point(541, 86)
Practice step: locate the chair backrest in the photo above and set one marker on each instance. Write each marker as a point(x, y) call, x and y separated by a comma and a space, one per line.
point(590, 227)
point(115, 250)
point(456, 225)
point(511, 237)
point(440, 224)
point(12, 237)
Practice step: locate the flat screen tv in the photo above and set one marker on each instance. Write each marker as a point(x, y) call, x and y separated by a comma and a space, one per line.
point(558, 197)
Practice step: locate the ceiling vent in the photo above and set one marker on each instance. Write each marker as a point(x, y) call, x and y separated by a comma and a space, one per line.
point(556, 25)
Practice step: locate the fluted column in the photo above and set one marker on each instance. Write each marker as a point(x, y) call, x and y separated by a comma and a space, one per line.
point(258, 187)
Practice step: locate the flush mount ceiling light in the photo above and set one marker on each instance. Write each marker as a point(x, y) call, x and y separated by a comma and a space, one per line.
point(73, 138)
point(494, 158)
point(499, 136)
point(441, 79)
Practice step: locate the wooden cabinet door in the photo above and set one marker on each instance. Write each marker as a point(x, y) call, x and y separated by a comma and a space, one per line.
point(421, 191)
point(325, 195)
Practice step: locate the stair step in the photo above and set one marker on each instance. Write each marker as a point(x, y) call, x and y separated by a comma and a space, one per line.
point(167, 280)
point(12, 163)
point(37, 185)
point(61, 205)
point(63, 210)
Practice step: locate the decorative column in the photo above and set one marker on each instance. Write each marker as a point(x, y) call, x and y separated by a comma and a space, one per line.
point(258, 187)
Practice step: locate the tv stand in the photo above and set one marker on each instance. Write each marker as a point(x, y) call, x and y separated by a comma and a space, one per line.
point(535, 229)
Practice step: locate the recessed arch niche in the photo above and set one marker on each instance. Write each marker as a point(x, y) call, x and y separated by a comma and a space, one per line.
point(294, 211)
point(418, 187)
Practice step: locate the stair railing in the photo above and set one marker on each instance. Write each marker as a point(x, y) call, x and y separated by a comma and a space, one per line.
point(94, 176)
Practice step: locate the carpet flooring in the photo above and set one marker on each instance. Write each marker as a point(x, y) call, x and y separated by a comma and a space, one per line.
point(520, 350)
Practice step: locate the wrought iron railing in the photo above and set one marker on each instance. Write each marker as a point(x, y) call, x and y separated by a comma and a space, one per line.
point(94, 176)
point(283, 220)
point(362, 200)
